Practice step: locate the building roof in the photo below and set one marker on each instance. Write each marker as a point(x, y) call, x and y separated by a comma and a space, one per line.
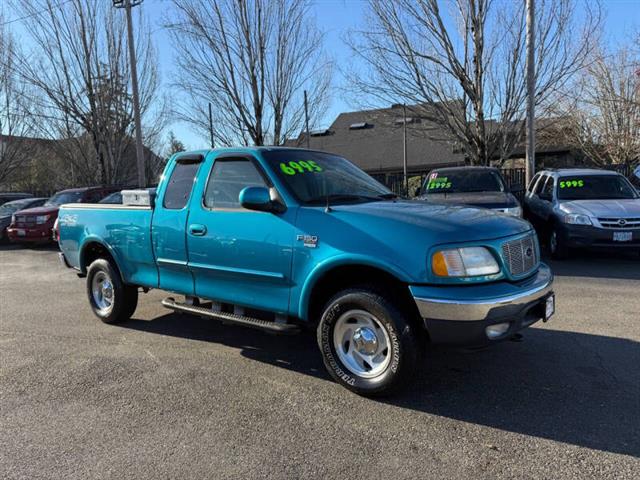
point(373, 140)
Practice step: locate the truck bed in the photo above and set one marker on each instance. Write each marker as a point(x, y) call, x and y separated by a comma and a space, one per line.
point(126, 230)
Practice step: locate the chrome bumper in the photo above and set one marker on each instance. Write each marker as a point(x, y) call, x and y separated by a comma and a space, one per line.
point(483, 302)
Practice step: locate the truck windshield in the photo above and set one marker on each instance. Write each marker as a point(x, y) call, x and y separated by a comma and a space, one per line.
point(463, 181)
point(64, 197)
point(315, 178)
point(594, 187)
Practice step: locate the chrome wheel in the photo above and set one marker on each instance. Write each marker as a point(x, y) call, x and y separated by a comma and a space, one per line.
point(362, 343)
point(102, 292)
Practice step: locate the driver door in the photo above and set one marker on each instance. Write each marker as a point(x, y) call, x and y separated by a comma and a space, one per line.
point(239, 256)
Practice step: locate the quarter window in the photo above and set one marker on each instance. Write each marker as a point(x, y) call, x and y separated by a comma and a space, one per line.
point(180, 184)
point(548, 187)
point(228, 178)
point(533, 181)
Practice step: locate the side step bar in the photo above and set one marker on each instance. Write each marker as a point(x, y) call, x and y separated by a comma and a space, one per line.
point(172, 304)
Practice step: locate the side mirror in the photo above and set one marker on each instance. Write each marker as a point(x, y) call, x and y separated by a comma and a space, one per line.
point(256, 198)
point(416, 192)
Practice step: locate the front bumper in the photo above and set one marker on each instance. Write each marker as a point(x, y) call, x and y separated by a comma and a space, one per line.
point(588, 236)
point(36, 234)
point(459, 315)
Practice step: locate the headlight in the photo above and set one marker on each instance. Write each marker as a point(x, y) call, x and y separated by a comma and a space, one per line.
point(514, 211)
point(576, 219)
point(40, 219)
point(464, 262)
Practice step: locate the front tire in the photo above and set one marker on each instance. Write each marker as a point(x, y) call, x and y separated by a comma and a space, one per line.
point(111, 300)
point(367, 343)
point(557, 246)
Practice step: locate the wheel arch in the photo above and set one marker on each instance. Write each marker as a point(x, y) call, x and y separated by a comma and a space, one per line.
point(94, 248)
point(328, 279)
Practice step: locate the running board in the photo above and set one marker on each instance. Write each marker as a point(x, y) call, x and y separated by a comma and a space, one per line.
point(172, 304)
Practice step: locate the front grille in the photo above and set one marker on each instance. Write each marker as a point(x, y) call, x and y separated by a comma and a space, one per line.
point(611, 222)
point(521, 256)
point(25, 220)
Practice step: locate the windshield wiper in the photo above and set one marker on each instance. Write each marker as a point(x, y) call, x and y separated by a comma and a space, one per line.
point(388, 196)
point(341, 197)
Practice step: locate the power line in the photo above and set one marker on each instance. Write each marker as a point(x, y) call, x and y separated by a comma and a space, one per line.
point(59, 4)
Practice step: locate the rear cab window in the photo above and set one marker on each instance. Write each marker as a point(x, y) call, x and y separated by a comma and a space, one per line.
point(180, 184)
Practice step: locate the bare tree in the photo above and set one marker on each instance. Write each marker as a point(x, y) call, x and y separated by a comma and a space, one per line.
point(79, 66)
point(463, 63)
point(251, 59)
point(605, 110)
point(15, 121)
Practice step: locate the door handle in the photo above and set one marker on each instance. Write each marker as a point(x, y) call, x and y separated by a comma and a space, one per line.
point(197, 230)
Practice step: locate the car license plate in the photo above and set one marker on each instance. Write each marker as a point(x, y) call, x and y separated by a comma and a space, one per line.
point(21, 233)
point(622, 236)
point(550, 307)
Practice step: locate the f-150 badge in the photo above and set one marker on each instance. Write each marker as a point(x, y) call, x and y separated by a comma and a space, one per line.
point(310, 241)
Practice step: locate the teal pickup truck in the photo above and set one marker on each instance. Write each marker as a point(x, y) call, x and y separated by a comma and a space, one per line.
point(282, 239)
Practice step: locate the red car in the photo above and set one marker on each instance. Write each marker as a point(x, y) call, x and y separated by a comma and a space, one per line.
point(35, 224)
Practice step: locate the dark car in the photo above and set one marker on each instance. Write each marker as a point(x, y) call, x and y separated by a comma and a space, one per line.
point(35, 224)
point(10, 196)
point(482, 187)
point(585, 208)
point(9, 208)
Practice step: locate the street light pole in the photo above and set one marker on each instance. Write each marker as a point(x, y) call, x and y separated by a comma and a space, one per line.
point(127, 4)
point(404, 149)
point(306, 117)
point(530, 166)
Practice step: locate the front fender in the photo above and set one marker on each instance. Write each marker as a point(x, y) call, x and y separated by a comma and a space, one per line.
point(329, 264)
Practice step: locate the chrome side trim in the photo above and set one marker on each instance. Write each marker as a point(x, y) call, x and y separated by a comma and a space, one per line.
point(476, 310)
point(242, 271)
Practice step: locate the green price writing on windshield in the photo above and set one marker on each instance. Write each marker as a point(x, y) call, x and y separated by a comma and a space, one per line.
point(302, 166)
point(572, 184)
point(442, 182)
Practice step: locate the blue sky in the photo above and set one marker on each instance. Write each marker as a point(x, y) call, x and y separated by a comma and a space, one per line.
point(335, 18)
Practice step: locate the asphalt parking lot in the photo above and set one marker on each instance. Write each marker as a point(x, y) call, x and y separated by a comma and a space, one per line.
point(172, 396)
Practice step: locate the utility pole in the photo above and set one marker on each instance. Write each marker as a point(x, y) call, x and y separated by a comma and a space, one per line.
point(404, 150)
point(211, 126)
point(127, 5)
point(306, 116)
point(530, 166)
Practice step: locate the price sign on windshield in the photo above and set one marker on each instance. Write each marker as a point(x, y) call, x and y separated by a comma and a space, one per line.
point(438, 182)
point(303, 166)
point(572, 184)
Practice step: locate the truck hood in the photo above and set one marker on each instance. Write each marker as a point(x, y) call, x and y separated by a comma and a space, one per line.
point(475, 199)
point(603, 208)
point(39, 211)
point(441, 223)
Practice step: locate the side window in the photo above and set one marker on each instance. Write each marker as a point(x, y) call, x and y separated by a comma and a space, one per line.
point(180, 184)
point(540, 184)
point(227, 180)
point(533, 182)
point(92, 196)
point(548, 187)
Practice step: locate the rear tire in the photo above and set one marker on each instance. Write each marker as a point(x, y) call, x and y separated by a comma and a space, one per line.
point(368, 344)
point(111, 300)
